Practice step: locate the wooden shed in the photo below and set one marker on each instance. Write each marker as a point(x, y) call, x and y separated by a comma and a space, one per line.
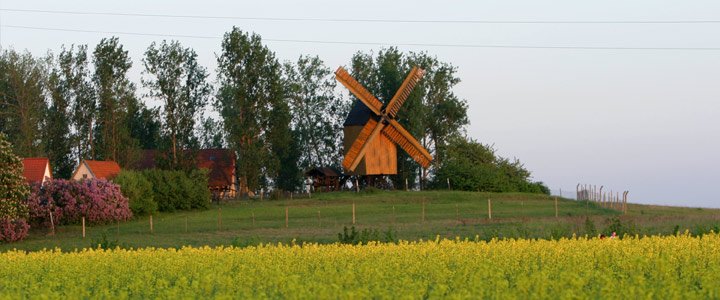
point(325, 179)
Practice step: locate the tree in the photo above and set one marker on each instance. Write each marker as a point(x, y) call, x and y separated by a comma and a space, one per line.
point(212, 133)
point(13, 189)
point(173, 76)
point(282, 164)
point(317, 112)
point(250, 83)
point(58, 139)
point(22, 101)
point(116, 103)
point(73, 79)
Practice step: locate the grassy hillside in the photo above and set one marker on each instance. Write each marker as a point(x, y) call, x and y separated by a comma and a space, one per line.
point(320, 219)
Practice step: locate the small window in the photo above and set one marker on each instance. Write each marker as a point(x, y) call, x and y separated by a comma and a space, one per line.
point(84, 176)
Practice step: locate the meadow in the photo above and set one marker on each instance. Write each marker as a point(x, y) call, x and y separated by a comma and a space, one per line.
point(386, 215)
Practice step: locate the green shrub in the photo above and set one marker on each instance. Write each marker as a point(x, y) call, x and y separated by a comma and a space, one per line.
point(179, 190)
point(138, 190)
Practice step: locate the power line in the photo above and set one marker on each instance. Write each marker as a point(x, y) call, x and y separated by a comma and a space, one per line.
point(373, 43)
point(99, 13)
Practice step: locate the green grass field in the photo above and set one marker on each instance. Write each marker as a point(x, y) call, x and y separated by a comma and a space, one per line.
point(320, 219)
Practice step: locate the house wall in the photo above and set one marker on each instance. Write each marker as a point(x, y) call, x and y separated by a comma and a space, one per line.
point(82, 173)
point(47, 176)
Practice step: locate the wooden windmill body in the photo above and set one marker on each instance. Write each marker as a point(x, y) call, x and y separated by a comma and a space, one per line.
point(371, 132)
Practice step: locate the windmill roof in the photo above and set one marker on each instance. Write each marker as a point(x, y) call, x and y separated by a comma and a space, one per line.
point(34, 168)
point(359, 114)
point(103, 169)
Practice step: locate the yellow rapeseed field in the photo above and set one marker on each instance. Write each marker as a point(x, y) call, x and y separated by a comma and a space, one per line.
point(681, 267)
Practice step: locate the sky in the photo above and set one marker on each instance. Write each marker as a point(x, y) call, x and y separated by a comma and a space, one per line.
point(642, 120)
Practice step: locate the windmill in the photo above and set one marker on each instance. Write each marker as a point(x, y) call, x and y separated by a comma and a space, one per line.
point(371, 132)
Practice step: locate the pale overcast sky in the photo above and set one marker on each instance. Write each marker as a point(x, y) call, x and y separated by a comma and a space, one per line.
point(638, 120)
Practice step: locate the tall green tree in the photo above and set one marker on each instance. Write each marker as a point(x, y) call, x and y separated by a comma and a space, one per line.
point(22, 101)
point(73, 79)
point(173, 76)
point(250, 84)
point(116, 101)
point(58, 139)
point(317, 112)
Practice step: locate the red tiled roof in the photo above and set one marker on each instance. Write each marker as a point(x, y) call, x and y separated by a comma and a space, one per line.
point(103, 169)
point(220, 162)
point(34, 169)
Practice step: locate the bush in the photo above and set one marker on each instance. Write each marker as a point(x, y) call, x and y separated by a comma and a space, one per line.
point(98, 200)
point(472, 166)
point(139, 192)
point(179, 190)
point(13, 192)
point(13, 230)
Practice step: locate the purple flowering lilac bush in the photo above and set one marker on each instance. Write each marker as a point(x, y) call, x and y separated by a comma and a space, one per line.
point(98, 200)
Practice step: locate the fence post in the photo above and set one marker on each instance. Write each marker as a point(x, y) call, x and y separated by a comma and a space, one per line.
point(394, 218)
point(448, 181)
point(556, 207)
point(83, 226)
point(353, 212)
point(489, 210)
point(52, 223)
point(261, 194)
point(457, 213)
point(287, 216)
point(357, 186)
point(219, 222)
point(406, 184)
point(151, 224)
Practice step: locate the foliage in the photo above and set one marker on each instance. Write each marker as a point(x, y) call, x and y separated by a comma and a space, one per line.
point(367, 235)
point(13, 230)
point(22, 101)
point(173, 75)
point(57, 135)
point(179, 190)
point(98, 200)
point(472, 166)
point(116, 103)
point(250, 84)
point(13, 189)
point(681, 267)
point(317, 112)
point(138, 190)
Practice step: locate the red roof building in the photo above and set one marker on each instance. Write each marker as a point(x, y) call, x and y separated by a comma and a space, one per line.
point(36, 170)
point(221, 169)
point(89, 169)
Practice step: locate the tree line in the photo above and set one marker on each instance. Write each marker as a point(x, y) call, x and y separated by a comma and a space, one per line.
point(280, 118)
